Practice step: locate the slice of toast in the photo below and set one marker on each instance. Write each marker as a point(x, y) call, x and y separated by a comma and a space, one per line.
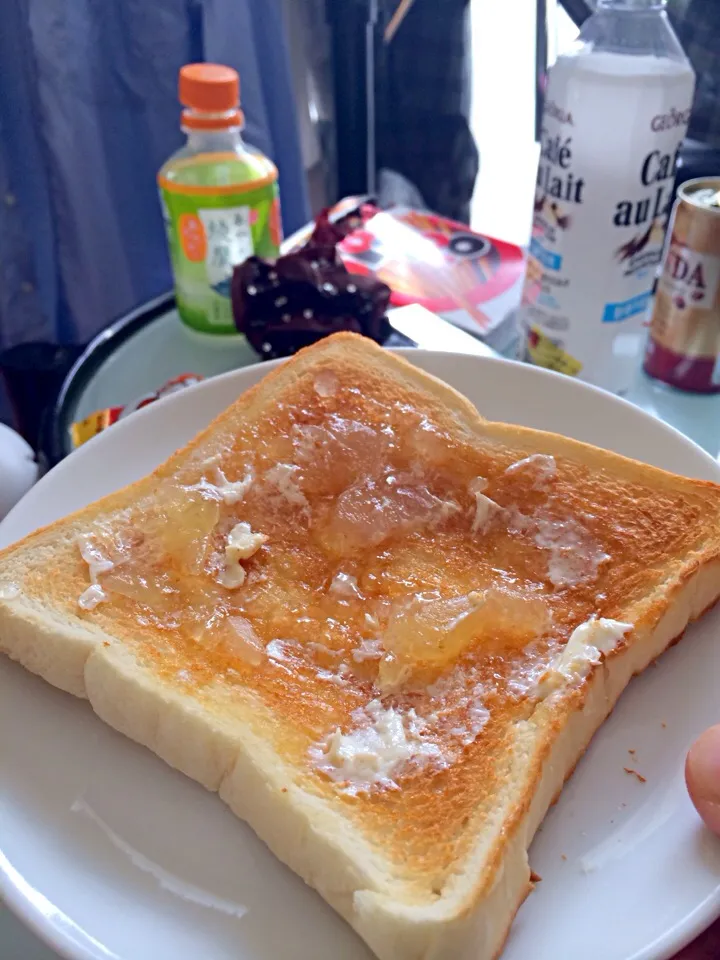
point(381, 627)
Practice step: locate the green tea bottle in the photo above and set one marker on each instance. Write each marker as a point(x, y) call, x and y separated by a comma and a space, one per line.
point(219, 197)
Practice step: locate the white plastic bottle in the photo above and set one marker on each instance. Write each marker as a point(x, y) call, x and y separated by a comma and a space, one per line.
point(616, 112)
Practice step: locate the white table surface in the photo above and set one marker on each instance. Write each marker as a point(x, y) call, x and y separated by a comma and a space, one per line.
point(165, 348)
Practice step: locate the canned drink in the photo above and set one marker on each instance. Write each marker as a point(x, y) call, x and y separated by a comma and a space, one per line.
point(684, 344)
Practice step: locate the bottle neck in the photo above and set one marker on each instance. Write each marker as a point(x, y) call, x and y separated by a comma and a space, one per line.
point(213, 131)
point(631, 5)
point(214, 141)
point(633, 28)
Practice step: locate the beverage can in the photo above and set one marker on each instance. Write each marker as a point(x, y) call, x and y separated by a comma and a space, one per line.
point(684, 344)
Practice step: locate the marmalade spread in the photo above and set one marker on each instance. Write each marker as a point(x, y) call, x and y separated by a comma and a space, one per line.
point(395, 591)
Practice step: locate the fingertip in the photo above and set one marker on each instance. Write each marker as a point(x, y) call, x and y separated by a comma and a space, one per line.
point(702, 775)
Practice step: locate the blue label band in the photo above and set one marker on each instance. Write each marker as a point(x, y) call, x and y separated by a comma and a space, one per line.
point(614, 312)
point(551, 261)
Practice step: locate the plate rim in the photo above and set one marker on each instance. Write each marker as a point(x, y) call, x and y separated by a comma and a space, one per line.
point(55, 928)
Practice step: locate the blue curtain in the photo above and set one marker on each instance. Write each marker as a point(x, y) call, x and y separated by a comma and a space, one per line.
point(88, 113)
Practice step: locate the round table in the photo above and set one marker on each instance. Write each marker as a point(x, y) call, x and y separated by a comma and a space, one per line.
point(140, 352)
point(150, 346)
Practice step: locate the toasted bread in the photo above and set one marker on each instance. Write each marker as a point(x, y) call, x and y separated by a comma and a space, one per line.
point(382, 628)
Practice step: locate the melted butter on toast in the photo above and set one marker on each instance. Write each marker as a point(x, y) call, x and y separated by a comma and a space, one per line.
point(373, 615)
point(370, 580)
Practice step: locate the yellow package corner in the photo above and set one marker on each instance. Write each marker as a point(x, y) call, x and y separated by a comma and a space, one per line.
point(545, 353)
point(83, 430)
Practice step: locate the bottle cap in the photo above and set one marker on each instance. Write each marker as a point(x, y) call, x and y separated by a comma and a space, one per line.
point(209, 88)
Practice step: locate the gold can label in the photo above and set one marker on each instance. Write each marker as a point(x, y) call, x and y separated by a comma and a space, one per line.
point(684, 343)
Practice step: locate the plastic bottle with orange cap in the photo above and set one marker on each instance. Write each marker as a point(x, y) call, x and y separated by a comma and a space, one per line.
point(219, 198)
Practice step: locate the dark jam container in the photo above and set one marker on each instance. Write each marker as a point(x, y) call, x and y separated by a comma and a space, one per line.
point(684, 344)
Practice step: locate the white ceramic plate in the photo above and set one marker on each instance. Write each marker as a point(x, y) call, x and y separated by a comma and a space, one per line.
point(105, 852)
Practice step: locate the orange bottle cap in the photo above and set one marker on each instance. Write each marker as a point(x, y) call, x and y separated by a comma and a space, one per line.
point(209, 87)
